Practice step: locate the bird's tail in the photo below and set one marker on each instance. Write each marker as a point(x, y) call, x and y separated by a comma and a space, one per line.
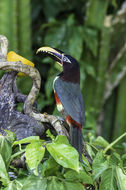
point(76, 139)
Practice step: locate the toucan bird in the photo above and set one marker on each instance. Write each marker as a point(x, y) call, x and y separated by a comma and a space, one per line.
point(68, 96)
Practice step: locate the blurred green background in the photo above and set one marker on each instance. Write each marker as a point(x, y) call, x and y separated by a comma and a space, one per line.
point(94, 32)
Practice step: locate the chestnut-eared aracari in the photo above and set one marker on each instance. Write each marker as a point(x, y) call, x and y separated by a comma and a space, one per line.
point(68, 96)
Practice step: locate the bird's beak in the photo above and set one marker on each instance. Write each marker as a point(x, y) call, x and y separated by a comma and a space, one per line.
point(55, 54)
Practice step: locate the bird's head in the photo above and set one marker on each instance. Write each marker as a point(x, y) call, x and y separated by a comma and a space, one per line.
point(59, 56)
point(69, 64)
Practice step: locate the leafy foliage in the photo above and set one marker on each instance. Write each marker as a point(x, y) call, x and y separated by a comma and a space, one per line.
point(59, 168)
point(93, 31)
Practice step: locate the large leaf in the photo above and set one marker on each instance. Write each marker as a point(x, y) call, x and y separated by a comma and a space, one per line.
point(11, 137)
point(5, 150)
point(81, 176)
point(99, 165)
point(115, 159)
point(34, 155)
point(64, 153)
point(100, 141)
point(73, 186)
point(33, 183)
point(50, 167)
point(85, 164)
point(52, 8)
point(108, 180)
point(96, 12)
point(27, 140)
point(3, 172)
point(61, 139)
point(90, 151)
point(55, 184)
point(90, 37)
point(55, 35)
point(75, 41)
point(49, 85)
point(15, 185)
point(121, 178)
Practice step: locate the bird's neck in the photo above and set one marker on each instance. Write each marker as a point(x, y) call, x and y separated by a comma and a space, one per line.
point(72, 75)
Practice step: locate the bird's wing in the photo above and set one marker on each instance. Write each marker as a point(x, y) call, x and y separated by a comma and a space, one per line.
point(71, 99)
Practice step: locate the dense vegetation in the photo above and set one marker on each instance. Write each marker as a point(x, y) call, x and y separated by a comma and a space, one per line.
point(54, 164)
point(94, 32)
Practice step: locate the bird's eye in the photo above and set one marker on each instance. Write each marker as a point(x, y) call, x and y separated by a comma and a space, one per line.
point(65, 59)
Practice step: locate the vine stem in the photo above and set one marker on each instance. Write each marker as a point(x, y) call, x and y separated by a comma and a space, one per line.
point(113, 143)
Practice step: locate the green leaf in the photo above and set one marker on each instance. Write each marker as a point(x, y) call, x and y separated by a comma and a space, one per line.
point(114, 159)
point(33, 183)
point(71, 20)
point(55, 184)
point(121, 178)
point(55, 35)
point(86, 164)
point(51, 9)
point(15, 185)
point(49, 134)
point(4, 178)
point(90, 70)
point(108, 180)
point(49, 85)
point(114, 3)
point(42, 102)
point(50, 167)
point(34, 155)
point(90, 151)
point(64, 153)
point(73, 186)
point(75, 42)
point(99, 165)
point(24, 80)
point(27, 140)
point(80, 176)
point(96, 12)
point(49, 82)
point(10, 136)
point(61, 139)
point(100, 141)
point(5, 150)
point(90, 37)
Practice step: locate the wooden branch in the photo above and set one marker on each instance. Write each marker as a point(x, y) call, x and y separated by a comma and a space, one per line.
point(28, 103)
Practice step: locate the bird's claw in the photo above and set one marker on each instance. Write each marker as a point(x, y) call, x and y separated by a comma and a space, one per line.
point(45, 115)
point(60, 119)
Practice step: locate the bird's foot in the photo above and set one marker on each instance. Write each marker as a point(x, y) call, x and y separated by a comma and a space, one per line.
point(45, 115)
point(60, 119)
